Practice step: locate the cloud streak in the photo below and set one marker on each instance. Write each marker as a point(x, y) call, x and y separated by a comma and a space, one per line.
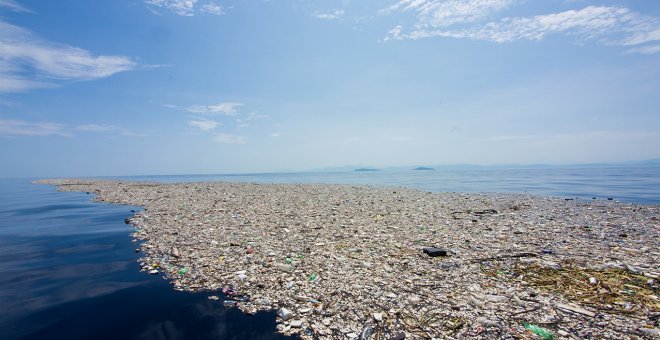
point(186, 8)
point(227, 109)
point(228, 138)
point(203, 124)
point(28, 62)
point(14, 6)
point(330, 15)
point(435, 13)
point(609, 25)
point(18, 128)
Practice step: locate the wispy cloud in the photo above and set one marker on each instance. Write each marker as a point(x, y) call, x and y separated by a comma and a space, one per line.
point(227, 109)
point(652, 49)
point(276, 134)
point(179, 7)
point(330, 15)
point(577, 136)
point(229, 138)
point(14, 6)
point(18, 127)
point(185, 7)
point(105, 128)
point(252, 116)
point(436, 13)
point(589, 22)
point(462, 19)
point(213, 8)
point(203, 124)
point(28, 62)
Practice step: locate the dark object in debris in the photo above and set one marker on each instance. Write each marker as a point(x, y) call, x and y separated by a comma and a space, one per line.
point(610, 198)
point(366, 333)
point(486, 212)
point(399, 336)
point(623, 235)
point(88, 193)
point(547, 251)
point(433, 252)
point(132, 210)
point(568, 199)
point(127, 221)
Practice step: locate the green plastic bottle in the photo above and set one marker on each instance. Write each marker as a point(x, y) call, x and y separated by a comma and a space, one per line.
point(540, 331)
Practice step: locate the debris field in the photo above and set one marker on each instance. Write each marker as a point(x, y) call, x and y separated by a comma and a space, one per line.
point(368, 262)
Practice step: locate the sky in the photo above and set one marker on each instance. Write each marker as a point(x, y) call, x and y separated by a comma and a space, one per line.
point(132, 87)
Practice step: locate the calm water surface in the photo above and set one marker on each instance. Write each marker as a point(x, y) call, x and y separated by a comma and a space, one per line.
point(68, 269)
point(639, 184)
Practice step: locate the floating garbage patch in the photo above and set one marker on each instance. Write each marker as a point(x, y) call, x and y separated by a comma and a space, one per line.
point(365, 262)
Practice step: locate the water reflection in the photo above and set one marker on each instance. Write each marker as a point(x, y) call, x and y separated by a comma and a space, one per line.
point(68, 271)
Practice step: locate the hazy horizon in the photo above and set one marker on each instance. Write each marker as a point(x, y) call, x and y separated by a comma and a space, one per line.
point(112, 88)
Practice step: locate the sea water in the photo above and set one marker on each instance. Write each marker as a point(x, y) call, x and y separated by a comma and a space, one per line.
point(68, 268)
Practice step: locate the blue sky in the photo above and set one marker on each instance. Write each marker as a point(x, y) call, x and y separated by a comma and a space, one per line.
point(181, 87)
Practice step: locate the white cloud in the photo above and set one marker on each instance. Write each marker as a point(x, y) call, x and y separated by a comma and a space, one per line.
point(589, 22)
point(458, 19)
point(16, 127)
point(27, 62)
point(276, 134)
point(203, 124)
point(652, 49)
point(438, 13)
point(212, 8)
point(105, 128)
point(396, 33)
point(330, 15)
point(14, 6)
point(228, 109)
point(179, 7)
point(252, 116)
point(184, 7)
point(229, 138)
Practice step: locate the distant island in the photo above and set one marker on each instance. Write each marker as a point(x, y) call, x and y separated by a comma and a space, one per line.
point(423, 168)
point(366, 169)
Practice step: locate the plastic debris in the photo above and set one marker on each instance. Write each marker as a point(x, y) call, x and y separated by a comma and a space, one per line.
point(542, 332)
point(433, 252)
point(285, 314)
point(530, 250)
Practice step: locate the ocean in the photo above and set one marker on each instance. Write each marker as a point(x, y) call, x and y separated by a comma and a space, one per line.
point(68, 268)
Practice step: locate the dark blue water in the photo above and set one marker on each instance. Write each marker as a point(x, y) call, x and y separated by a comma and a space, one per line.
point(68, 268)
